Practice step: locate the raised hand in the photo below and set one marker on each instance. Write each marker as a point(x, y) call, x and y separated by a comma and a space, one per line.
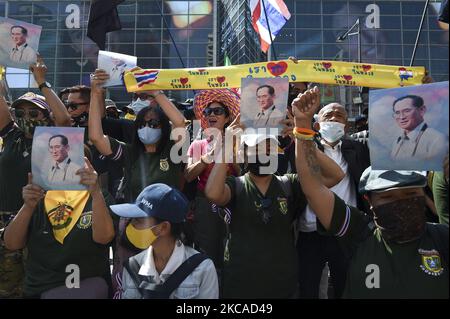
point(427, 79)
point(31, 193)
point(98, 79)
point(306, 105)
point(293, 59)
point(39, 70)
point(89, 177)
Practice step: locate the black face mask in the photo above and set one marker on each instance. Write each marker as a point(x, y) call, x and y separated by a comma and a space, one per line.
point(28, 126)
point(401, 221)
point(255, 168)
point(80, 120)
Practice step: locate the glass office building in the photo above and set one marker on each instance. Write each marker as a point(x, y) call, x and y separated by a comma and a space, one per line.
point(148, 27)
point(237, 39)
point(388, 34)
point(204, 31)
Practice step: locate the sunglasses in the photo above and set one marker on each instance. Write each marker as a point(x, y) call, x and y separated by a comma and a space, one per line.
point(75, 106)
point(217, 111)
point(142, 96)
point(264, 208)
point(153, 123)
point(33, 114)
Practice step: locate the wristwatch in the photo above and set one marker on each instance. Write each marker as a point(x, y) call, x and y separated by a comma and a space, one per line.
point(153, 96)
point(45, 85)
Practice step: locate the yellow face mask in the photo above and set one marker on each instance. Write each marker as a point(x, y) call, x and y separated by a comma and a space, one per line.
point(129, 116)
point(140, 238)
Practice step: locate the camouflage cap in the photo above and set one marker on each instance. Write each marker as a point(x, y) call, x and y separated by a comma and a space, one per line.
point(37, 100)
point(381, 181)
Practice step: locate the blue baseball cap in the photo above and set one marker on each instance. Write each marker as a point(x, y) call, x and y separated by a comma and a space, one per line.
point(157, 200)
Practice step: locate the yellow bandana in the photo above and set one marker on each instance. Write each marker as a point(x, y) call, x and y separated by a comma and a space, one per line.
point(63, 209)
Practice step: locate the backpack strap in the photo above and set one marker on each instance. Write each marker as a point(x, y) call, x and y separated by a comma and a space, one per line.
point(132, 267)
point(439, 235)
point(182, 272)
point(164, 290)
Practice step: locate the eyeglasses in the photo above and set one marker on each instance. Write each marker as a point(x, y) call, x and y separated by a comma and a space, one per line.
point(402, 113)
point(217, 111)
point(264, 208)
point(153, 123)
point(33, 113)
point(75, 106)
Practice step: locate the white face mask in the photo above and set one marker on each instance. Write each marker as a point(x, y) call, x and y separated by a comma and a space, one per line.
point(139, 104)
point(332, 131)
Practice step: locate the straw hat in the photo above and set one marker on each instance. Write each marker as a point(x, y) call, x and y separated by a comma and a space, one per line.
point(228, 98)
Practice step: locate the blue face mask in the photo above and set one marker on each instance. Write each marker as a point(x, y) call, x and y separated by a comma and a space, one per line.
point(138, 105)
point(149, 135)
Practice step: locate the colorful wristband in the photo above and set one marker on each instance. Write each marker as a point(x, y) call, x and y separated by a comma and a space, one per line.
point(304, 131)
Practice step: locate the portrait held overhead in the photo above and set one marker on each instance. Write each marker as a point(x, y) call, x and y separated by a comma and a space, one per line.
point(409, 127)
point(20, 42)
point(263, 102)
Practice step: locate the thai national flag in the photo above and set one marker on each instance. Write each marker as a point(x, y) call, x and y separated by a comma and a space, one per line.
point(277, 14)
point(146, 77)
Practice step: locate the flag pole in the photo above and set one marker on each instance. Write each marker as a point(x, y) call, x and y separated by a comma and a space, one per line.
point(419, 32)
point(166, 25)
point(270, 32)
point(170, 34)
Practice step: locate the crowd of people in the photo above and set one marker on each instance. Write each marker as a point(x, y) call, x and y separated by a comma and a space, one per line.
point(222, 223)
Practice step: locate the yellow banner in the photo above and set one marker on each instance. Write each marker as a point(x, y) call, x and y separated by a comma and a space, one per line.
point(326, 72)
point(2, 71)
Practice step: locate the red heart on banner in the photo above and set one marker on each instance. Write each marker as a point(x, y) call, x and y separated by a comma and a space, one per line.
point(277, 68)
point(327, 65)
point(366, 68)
point(348, 77)
point(184, 80)
point(221, 79)
point(201, 70)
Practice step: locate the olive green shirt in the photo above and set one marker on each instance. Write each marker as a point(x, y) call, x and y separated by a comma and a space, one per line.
point(143, 169)
point(440, 195)
point(47, 259)
point(15, 164)
point(381, 270)
point(262, 260)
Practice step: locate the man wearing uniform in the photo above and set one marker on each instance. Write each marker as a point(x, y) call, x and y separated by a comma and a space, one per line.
point(268, 116)
point(418, 141)
point(30, 110)
point(22, 52)
point(400, 255)
point(64, 170)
